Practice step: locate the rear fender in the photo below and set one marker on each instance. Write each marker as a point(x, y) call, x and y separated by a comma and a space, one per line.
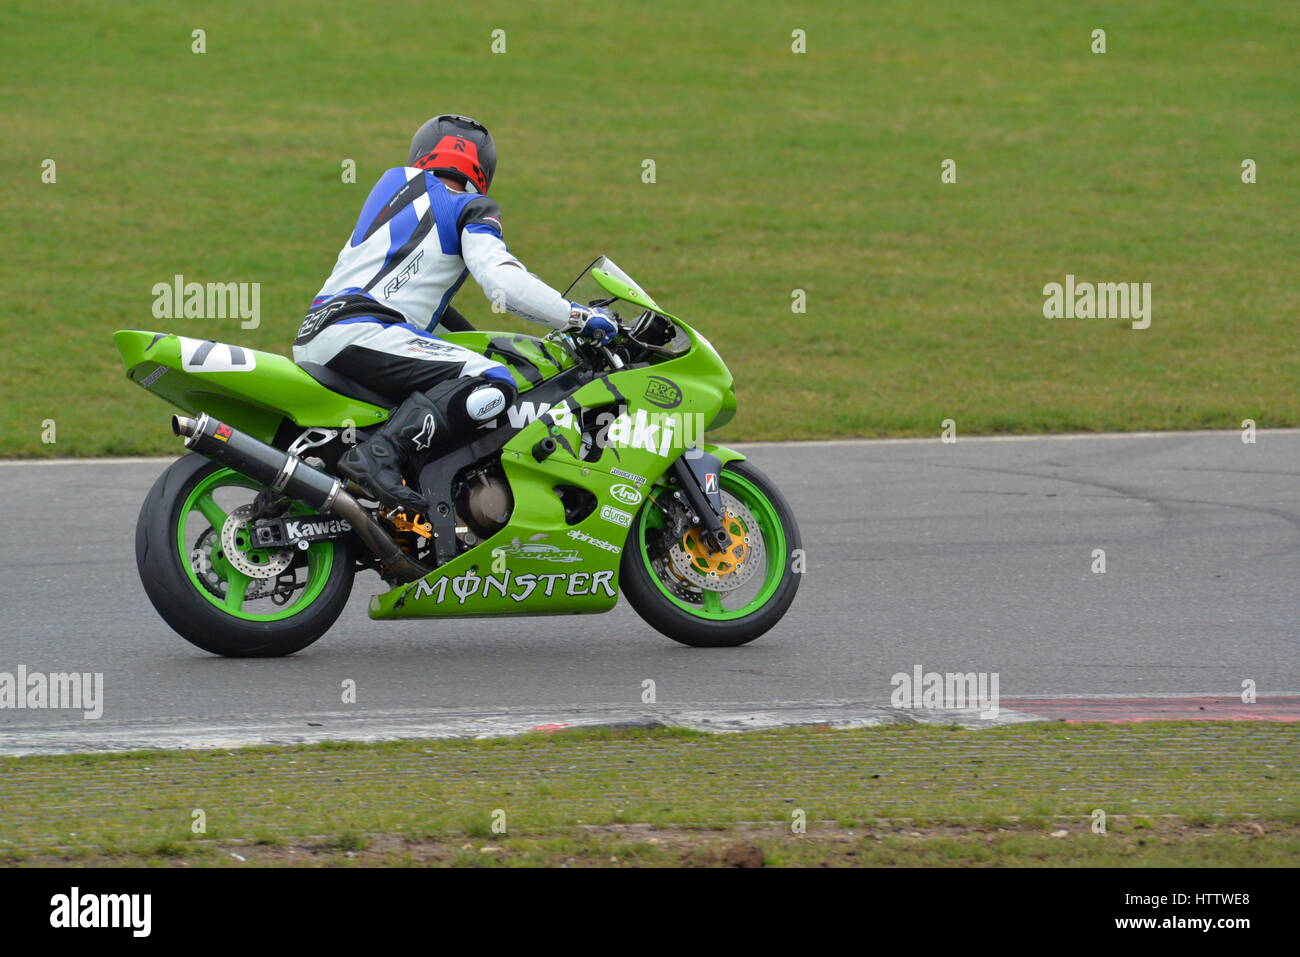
point(251, 390)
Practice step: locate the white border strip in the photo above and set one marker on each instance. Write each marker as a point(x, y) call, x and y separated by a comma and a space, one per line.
point(792, 443)
point(1054, 436)
point(106, 461)
point(292, 729)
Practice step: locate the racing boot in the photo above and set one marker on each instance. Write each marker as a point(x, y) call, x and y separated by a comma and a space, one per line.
point(426, 424)
point(379, 463)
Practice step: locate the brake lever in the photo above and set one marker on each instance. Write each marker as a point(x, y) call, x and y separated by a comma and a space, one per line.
point(612, 357)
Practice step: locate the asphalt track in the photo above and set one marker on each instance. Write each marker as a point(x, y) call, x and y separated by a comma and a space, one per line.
point(970, 556)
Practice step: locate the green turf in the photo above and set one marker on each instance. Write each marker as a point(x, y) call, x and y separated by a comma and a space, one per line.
point(1173, 794)
point(775, 171)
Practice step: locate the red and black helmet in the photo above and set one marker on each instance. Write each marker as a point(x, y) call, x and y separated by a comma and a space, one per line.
point(458, 147)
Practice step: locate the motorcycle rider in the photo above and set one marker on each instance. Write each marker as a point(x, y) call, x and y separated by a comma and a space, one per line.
point(424, 227)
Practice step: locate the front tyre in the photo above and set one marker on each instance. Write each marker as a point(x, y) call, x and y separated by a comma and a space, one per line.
point(199, 570)
point(715, 599)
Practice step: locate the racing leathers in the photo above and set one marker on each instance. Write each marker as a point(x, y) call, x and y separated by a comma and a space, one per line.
point(374, 321)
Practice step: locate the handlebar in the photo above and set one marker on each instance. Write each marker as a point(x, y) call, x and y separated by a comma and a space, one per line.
point(576, 345)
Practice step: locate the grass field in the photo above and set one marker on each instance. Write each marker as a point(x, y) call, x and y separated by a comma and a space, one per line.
point(775, 171)
point(1191, 794)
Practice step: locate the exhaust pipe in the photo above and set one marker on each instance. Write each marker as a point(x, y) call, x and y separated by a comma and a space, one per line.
point(285, 473)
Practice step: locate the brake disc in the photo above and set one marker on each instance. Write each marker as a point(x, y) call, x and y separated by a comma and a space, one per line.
point(256, 563)
point(201, 562)
point(692, 562)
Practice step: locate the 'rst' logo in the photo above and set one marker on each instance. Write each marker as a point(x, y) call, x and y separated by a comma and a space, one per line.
point(401, 278)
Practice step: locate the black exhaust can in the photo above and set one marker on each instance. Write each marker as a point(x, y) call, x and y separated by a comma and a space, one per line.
point(263, 463)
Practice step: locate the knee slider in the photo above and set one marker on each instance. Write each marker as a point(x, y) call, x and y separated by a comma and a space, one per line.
point(489, 400)
point(470, 402)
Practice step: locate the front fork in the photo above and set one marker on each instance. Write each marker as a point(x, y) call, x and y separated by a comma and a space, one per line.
point(696, 475)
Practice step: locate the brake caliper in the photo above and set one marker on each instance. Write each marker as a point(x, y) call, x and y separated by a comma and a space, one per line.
point(298, 531)
point(692, 562)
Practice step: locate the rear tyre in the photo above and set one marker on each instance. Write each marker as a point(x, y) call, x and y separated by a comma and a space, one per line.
point(683, 595)
point(190, 552)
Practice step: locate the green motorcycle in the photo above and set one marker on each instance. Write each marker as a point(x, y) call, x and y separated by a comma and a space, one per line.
point(595, 481)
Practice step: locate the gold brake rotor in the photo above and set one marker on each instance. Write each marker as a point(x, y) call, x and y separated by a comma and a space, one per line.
point(723, 562)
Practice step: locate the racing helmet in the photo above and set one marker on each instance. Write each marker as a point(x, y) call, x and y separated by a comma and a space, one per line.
point(458, 147)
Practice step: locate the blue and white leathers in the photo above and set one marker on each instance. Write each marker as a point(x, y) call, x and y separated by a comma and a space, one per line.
point(413, 245)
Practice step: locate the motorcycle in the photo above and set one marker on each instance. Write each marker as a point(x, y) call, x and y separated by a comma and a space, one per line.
point(596, 482)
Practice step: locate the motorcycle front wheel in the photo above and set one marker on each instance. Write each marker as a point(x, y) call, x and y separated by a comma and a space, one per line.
point(716, 599)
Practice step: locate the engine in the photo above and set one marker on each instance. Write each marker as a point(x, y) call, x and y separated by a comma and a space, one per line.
point(484, 502)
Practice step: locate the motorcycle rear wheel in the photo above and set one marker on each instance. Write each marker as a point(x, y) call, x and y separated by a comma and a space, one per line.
point(190, 572)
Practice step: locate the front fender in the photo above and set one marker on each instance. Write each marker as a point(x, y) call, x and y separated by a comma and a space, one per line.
point(724, 454)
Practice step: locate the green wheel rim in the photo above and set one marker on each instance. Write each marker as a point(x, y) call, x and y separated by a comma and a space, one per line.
point(320, 556)
point(769, 526)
